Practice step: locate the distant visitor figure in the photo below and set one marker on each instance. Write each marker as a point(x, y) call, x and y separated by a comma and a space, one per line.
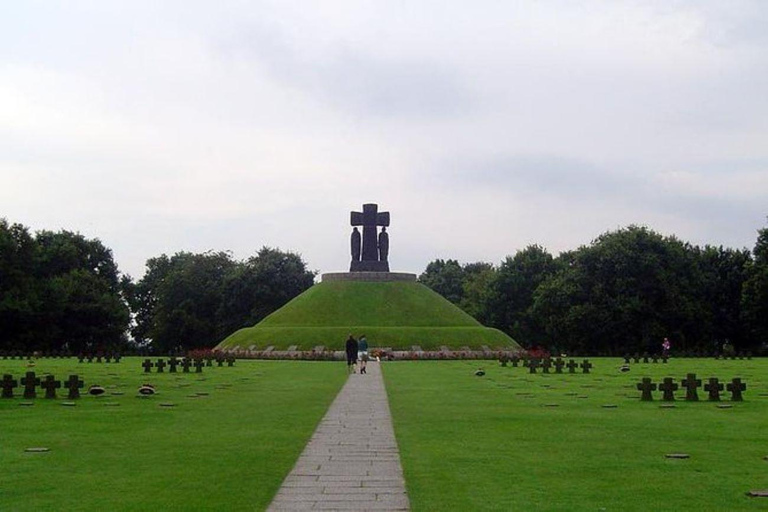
point(665, 347)
point(356, 241)
point(351, 349)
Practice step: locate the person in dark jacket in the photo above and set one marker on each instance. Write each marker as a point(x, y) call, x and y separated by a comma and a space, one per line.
point(351, 353)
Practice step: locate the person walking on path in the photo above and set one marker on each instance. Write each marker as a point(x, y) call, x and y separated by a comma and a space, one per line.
point(362, 353)
point(351, 353)
point(666, 346)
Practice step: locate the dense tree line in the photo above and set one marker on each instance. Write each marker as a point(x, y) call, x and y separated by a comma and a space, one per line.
point(624, 292)
point(58, 291)
point(63, 292)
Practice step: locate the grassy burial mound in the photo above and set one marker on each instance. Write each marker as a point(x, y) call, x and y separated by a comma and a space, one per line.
point(390, 314)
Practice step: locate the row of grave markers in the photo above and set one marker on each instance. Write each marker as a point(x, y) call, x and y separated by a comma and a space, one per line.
point(668, 386)
point(547, 364)
point(185, 364)
point(30, 382)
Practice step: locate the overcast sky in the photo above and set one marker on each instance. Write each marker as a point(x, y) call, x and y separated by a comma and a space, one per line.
point(482, 126)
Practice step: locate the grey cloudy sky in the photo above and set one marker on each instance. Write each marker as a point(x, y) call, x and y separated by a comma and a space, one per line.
point(481, 126)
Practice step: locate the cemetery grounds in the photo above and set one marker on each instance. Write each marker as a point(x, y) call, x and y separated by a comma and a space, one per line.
point(506, 441)
point(510, 440)
point(223, 439)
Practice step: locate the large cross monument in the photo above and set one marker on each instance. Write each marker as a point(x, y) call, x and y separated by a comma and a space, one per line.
point(372, 256)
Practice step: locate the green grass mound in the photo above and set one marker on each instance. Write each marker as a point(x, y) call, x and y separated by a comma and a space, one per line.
point(390, 314)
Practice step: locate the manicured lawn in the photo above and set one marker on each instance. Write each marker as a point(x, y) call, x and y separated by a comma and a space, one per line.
point(481, 443)
point(227, 450)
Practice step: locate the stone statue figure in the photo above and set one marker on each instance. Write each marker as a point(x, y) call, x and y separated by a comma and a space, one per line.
point(356, 244)
point(383, 244)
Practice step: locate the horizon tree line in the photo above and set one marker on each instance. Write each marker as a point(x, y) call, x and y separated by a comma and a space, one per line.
point(624, 292)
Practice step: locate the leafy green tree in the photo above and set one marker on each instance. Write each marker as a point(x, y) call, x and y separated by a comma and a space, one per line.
point(625, 292)
point(18, 293)
point(755, 294)
point(446, 277)
point(511, 294)
point(476, 289)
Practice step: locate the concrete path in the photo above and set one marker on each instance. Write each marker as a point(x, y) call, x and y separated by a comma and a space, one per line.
point(352, 461)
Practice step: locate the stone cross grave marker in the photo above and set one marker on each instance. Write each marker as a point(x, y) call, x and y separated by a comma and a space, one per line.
point(147, 365)
point(585, 366)
point(691, 383)
point(30, 382)
point(50, 384)
point(646, 386)
point(546, 365)
point(73, 384)
point(572, 365)
point(208, 361)
point(117, 358)
point(558, 364)
point(515, 361)
point(199, 363)
point(627, 359)
point(668, 387)
point(713, 388)
point(172, 364)
point(231, 360)
point(7, 385)
point(735, 388)
point(160, 364)
point(220, 361)
point(532, 365)
point(107, 359)
point(185, 364)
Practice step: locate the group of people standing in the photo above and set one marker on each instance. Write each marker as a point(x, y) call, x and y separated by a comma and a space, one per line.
point(357, 351)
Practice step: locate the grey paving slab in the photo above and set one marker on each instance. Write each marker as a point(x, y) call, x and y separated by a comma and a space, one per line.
point(352, 461)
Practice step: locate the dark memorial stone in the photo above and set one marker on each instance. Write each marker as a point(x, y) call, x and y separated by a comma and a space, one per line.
point(199, 365)
point(147, 365)
point(735, 388)
point(558, 364)
point(7, 385)
point(546, 365)
point(50, 385)
point(96, 390)
point(585, 366)
point(30, 382)
point(73, 384)
point(691, 384)
point(373, 257)
point(160, 364)
point(572, 365)
point(172, 364)
point(532, 365)
point(713, 388)
point(646, 386)
point(668, 387)
point(230, 360)
point(185, 364)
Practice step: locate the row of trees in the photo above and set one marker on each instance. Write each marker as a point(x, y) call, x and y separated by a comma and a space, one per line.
point(63, 292)
point(624, 292)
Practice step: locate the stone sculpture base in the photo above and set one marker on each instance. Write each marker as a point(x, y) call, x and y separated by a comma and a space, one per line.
point(379, 277)
point(369, 266)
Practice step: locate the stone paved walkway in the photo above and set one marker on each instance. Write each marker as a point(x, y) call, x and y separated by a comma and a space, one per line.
point(352, 461)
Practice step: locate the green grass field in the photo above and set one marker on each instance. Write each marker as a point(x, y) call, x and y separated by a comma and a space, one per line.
point(227, 450)
point(391, 314)
point(493, 443)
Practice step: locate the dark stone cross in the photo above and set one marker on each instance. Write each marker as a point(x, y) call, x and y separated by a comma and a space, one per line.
point(7, 384)
point(147, 365)
point(172, 364)
point(373, 256)
point(572, 365)
point(209, 361)
point(515, 361)
point(50, 385)
point(559, 363)
point(735, 388)
point(231, 361)
point(691, 383)
point(185, 364)
point(220, 361)
point(627, 359)
point(713, 388)
point(199, 365)
point(30, 382)
point(668, 387)
point(646, 386)
point(585, 366)
point(73, 384)
point(532, 365)
point(546, 365)
point(160, 364)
